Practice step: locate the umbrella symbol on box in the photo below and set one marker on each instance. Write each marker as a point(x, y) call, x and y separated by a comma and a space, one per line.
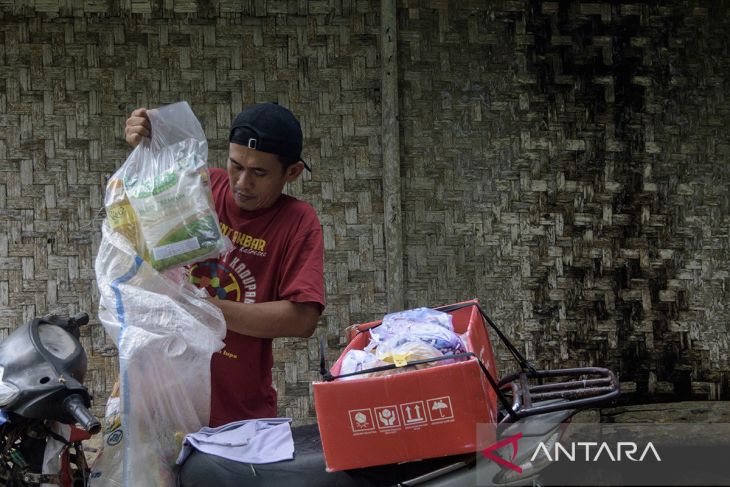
point(442, 406)
point(439, 406)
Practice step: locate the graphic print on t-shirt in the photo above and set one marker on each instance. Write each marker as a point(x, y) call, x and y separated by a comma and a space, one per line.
point(225, 280)
point(244, 242)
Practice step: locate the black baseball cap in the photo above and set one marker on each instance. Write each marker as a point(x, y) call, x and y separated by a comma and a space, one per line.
point(269, 127)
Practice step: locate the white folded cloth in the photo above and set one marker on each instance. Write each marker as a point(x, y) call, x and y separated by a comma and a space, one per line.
point(248, 441)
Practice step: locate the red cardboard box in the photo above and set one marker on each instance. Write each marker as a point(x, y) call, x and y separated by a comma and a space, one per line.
point(411, 415)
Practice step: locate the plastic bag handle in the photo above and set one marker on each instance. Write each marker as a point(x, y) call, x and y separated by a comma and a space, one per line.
point(174, 123)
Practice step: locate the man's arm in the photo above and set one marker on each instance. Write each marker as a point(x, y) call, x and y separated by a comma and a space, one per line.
point(273, 319)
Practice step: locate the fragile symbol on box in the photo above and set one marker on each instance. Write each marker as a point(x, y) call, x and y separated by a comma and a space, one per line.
point(361, 420)
point(439, 409)
point(413, 413)
point(387, 417)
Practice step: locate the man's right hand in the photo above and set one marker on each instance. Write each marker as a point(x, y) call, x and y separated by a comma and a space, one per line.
point(138, 126)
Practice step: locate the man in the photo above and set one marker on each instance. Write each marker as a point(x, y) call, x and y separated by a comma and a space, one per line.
point(271, 285)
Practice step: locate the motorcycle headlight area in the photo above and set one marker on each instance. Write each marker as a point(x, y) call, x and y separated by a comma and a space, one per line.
point(8, 392)
point(57, 341)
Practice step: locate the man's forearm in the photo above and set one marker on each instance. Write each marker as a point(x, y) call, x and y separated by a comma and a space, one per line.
point(270, 320)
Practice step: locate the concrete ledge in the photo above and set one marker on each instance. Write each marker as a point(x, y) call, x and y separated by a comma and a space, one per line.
point(674, 412)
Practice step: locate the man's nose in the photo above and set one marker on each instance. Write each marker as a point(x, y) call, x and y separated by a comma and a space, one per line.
point(244, 180)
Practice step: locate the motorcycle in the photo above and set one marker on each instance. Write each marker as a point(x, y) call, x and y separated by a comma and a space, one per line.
point(535, 406)
point(42, 399)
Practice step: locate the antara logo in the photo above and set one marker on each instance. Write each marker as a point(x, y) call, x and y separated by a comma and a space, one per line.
point(594, 452)
point(489, 452)
point(623, 449)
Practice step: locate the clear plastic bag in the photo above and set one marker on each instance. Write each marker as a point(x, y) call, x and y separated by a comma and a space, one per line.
point(417, 316)
point(110, 460)
point(357, 360)
point(160, 199)
point(166, 331)
point(426, 324)
point(446, 341)
point(54, 449)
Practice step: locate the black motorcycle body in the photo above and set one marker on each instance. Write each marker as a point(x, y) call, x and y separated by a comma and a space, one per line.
point(42, 371)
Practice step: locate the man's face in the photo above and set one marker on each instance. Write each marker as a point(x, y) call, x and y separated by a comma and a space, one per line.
point(257, 178)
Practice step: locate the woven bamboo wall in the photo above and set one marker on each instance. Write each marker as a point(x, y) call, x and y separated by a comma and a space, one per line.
point(70, 77)
point(566, 163)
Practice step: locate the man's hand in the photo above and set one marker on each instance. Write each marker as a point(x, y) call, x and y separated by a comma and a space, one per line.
point(137, 126)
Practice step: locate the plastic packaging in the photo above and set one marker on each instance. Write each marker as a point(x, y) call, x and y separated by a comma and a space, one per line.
point(403, 322)
point(160, 199)
point(119, 211)
point(357, 360)
point(53, 450)
point(166, 332)
point(417, 316)
point(446, 341)
point(403, 337)
point(428, 325)
point(110, 459)
point(400, 350)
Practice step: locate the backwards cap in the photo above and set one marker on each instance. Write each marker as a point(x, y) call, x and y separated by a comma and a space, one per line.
point(269, 127)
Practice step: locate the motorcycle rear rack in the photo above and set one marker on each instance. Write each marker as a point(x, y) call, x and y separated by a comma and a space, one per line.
point(584, 387)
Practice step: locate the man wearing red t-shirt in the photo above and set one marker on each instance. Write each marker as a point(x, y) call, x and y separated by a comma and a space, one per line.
point(272, 283)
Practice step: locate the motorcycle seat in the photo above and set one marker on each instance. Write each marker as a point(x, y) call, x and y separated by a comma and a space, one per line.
point(306, 469)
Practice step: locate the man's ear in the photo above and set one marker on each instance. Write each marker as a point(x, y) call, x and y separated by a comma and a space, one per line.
point(293, 171)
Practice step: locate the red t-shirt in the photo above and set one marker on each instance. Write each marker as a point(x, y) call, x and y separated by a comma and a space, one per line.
point(278, 255)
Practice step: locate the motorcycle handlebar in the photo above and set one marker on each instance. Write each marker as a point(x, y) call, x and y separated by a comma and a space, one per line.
point(74, 405)
point(80, 319)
